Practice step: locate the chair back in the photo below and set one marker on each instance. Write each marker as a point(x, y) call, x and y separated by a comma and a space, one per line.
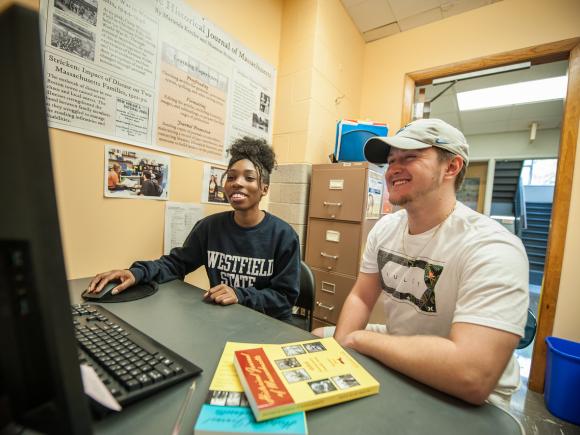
point(306, 297)
point(529, 332)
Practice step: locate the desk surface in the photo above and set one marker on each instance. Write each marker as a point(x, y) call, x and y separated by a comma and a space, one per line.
point(177, 317)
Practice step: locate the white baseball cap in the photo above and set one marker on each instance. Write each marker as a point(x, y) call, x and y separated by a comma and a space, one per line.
point(419, 134)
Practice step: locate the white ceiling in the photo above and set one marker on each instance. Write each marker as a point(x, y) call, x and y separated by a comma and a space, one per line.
point(548, 114)
point(377, 19)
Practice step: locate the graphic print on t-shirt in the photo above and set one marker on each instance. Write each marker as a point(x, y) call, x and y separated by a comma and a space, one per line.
point(412, 281)
point(238, 271)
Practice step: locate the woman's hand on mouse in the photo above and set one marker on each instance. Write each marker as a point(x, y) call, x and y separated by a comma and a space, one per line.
point(125, 277)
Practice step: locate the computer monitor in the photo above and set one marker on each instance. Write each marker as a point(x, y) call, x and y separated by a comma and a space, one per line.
point(40, 382)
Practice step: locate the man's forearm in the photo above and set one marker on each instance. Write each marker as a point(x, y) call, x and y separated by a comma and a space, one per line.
point(354, 316)
point(434, 361)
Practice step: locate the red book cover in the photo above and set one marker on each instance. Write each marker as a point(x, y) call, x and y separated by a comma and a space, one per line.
point(264, 383)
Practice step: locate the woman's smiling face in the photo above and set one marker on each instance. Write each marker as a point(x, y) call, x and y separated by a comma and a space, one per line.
point(243, 186)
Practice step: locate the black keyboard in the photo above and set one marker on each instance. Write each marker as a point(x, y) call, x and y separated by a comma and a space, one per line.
point(130, 364)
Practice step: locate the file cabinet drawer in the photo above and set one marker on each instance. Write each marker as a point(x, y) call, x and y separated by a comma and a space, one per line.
point(336, 194)
point(333, 246)
point(316, 323)
point(331, 292)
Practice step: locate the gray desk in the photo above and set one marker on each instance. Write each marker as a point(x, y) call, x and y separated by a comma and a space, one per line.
point(177, 317)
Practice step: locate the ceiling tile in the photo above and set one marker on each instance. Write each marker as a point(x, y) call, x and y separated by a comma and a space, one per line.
point(518, 125)
point(420, 19)
point(371, 14)
point(407, 8)
point(454, 7)
point(536, 111)
point(381, 32)
point(449, 117)
point(486, 115)
point(350, 3)
point(484, 128)
point(543, 124)
point(445, 103)
point(522, 125)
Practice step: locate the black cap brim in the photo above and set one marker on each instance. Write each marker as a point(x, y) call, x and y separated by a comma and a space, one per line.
point(377, 149)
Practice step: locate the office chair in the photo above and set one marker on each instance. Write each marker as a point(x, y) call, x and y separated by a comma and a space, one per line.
point(303, 317)
point(529, 332)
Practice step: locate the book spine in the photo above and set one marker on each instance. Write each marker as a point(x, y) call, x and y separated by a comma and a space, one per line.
point(246, 388)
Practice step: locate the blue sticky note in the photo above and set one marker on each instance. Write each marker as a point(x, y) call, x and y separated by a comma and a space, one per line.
point(240, 420)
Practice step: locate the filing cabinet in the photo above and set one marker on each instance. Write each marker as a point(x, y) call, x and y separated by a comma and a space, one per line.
point(345, 203)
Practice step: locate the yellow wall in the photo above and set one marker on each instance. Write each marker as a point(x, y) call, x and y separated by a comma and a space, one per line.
point(319, 78)
point(103, 233)
point(500, 27)
point(567, 322)
point(294, 80)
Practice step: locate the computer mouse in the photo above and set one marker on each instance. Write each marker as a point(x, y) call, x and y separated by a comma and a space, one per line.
point(104, 292)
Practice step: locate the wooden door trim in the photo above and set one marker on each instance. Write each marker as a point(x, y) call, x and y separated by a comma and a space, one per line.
point(559, 50)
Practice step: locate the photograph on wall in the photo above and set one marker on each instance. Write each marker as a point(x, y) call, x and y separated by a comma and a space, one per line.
point(374, 195)
point(130, 173)
point(85, 10)
point(386, 207)
point(213, 185)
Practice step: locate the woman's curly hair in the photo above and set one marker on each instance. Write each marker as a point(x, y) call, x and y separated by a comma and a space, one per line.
point(256, 151)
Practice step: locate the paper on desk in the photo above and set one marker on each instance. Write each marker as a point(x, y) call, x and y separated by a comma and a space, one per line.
point(180, 218)
point(128, 182)
point(95, 388)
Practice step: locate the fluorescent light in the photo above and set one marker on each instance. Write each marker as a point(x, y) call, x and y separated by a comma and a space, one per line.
point(482, 73)
point(533, 91)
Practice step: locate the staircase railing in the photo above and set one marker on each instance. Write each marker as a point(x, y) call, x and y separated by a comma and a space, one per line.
point(521, 219)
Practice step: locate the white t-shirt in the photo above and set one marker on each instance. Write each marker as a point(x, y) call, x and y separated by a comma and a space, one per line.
point(469, 269)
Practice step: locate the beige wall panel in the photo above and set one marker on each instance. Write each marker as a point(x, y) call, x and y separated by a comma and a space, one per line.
point(567, 320)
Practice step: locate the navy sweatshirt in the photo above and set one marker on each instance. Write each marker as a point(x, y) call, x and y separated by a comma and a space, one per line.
point(261, 264)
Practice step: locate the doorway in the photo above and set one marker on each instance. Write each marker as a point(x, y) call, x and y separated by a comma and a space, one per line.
point(567, 49)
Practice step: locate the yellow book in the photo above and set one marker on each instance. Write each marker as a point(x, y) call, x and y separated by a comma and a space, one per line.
point(226, 410)
point(287, 378)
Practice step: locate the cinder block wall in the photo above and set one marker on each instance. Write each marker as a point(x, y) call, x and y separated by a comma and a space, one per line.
point(289, 190)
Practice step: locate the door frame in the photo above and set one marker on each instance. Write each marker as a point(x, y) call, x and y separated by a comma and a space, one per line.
point(550, 52)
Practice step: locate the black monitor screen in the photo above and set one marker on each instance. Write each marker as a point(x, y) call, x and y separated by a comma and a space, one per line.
point(40, 383)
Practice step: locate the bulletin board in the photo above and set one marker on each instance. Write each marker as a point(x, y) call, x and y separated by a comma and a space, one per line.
point(152, 73)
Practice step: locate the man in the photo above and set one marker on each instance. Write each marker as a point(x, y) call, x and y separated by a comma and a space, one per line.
point(114, 178)
point(150, 187)
point(456, 282)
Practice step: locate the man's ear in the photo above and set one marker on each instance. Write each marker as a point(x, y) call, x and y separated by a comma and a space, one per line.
point(454, 166)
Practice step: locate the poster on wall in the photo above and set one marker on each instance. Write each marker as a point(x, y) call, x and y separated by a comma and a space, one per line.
point(213, 185)
point(133, 174)
point(152, 73)
point(180, 218)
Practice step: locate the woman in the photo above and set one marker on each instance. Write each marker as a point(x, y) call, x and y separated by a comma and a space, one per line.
point(251, 257)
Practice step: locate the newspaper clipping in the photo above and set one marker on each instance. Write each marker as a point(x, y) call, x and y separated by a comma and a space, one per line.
point(152, 73)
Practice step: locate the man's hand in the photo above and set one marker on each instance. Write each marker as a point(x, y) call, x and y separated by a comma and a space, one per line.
point(221, 294)
point(98, 282)
point(349, 340)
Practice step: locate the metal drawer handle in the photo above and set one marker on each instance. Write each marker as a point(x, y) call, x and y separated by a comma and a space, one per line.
point(333, 257)
point(326, 307)
point(328, 287)
point(330, 204)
